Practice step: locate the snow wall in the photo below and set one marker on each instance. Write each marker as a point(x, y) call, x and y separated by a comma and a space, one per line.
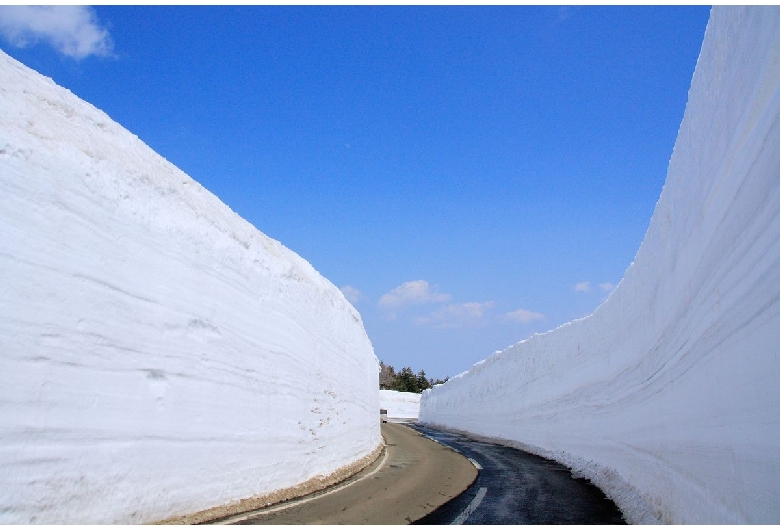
point(400, 405)
point(667, 396)
point(160, 356)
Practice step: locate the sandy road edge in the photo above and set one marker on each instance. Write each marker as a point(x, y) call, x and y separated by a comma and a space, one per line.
point(281, 495)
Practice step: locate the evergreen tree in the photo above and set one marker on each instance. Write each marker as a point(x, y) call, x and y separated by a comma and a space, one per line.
point(422, 382)
point(440, 381)
point(405, 380)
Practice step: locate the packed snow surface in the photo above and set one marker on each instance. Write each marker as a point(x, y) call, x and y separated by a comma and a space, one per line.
point(160, 355)
point(667, 396)
point(400, 405)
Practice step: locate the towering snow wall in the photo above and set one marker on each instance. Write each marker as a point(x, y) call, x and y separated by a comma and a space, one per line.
point(400, 405)
point(158, 354)
point(667, 397)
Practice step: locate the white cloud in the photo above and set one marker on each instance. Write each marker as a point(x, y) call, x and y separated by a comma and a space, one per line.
point(71, 30)
point(524, 316)
point(351, 294)
point(607, 286)
point(456, 315)
point(582, 287)
point(416, 292)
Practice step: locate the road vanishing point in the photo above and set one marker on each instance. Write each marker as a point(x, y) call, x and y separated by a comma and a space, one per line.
point(429, 476)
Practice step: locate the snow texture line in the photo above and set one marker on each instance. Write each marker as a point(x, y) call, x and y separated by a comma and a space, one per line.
point(473, 505)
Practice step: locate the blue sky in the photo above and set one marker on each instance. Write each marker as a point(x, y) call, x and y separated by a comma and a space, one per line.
point(468, 176)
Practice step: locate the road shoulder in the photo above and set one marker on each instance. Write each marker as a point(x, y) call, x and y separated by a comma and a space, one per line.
point(415, 476)
point(299, 491)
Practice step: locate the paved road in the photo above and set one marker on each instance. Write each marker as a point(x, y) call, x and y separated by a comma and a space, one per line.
point(514, 487)
point(413, 478)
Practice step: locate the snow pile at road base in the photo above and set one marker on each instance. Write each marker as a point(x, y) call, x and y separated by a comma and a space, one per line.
point(667, 396)
point(401, 405)
point(160, 356)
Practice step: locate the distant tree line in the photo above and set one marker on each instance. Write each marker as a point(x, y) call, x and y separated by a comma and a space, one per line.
point(405, 380)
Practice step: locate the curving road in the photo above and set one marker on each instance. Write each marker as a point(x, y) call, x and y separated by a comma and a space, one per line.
point(412, 478)
point(422, 482)
point(515, 487)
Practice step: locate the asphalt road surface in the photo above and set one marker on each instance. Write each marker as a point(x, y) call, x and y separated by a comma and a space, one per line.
point(411, 479)
point(514, 487)
point(420, 481)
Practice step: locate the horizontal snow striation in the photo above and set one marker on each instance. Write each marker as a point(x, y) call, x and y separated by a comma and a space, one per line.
point(667, 396)
point(400, 405)
point(160, 356)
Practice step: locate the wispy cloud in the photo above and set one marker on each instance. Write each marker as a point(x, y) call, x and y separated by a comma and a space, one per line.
point(352, 294)
point(606, 286)
point(586, 287)
point(456, 315)
point(524, 316)
point(73, 31)
point(582, 287)
point(390, 317)
point(409, 293)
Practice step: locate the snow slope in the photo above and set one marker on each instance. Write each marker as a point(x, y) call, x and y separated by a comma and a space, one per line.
point(401, 405)
point(160, 355)
point(667, 396)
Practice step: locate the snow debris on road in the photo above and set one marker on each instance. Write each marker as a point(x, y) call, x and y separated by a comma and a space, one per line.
point(160, 355)
point(667, 396)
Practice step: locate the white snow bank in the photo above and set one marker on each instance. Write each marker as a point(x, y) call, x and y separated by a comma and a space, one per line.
point(667, 397)
point(160, 355)
point(401, 405)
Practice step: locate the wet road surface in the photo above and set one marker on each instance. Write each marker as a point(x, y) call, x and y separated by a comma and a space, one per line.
point(514, 487)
